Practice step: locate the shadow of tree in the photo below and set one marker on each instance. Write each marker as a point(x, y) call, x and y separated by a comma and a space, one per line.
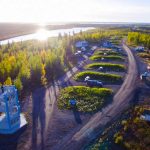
point(77, 115)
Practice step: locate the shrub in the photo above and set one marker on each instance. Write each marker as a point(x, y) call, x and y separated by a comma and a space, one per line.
point(8, 81)
point(88, 99)
point(104, 77)
point(107, 52)
point(119, 139)
point(109, 58)
point(106, 66)
point(18, 84)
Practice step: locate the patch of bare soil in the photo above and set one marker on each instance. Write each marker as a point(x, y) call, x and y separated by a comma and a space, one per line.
point(64, 123)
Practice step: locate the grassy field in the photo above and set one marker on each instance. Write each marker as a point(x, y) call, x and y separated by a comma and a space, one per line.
point(107, 52)
point(104, 77)
point(106, 67)
point(88, 99)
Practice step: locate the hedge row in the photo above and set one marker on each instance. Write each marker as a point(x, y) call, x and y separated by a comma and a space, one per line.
point(106, 67)
point(104, 77)
point(88, 99)
point(107, 52)
point(109, 58)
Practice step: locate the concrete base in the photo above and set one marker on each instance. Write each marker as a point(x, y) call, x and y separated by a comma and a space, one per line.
point(14, 129)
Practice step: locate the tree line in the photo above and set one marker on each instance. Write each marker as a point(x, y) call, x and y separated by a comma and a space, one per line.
point(138, 38)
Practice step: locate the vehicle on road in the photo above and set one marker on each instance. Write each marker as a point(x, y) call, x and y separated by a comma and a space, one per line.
point(145, 75)
point(146, 78)
point(139, 49)
point(94, 83)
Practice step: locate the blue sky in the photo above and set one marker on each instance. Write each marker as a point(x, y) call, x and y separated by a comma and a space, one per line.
point(74, 10)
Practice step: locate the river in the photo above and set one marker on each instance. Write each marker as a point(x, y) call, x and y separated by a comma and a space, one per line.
point(43, 34)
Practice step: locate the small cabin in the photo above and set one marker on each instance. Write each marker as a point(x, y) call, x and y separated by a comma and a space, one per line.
point(146, 115)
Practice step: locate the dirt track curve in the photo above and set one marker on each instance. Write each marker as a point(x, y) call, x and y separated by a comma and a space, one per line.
point(96, 124)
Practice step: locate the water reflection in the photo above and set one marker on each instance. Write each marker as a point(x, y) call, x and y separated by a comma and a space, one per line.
point(43, 34)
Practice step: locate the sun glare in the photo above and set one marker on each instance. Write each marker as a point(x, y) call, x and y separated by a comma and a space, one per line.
point(42, 34)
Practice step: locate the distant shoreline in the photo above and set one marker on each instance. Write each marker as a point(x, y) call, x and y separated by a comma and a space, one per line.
point(11, 30)
point(8, 31)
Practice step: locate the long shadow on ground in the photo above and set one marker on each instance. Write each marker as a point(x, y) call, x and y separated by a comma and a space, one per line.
point(77, 115)
point(38, 117)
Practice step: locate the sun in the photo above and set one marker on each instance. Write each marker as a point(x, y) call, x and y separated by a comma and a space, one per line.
point(42, 34)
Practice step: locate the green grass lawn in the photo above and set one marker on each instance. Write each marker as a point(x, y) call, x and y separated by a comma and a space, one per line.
point(104, 77)
point(106, 67)
point(107, 58)
point(107, 52)
point(88, 99)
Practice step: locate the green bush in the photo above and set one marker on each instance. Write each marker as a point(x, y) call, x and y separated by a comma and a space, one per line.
point(88, 99)
point(119, 139)
point(107, 52)
point(108, 58)
point(104, 77)
point(106, 66)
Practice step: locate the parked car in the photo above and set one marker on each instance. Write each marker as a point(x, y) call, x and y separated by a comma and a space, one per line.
point(94, 83)
point(139, 49)
point(145, 75)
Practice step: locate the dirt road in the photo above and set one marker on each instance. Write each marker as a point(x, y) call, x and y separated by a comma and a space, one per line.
point(96, 124)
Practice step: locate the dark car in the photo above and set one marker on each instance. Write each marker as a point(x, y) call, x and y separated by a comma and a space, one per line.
point(94, 83)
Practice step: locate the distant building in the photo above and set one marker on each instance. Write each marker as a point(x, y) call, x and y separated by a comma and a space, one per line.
point(81, 44)
point(107, 44)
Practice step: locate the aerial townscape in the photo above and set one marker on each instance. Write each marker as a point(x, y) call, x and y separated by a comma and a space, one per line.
point(75, 75)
